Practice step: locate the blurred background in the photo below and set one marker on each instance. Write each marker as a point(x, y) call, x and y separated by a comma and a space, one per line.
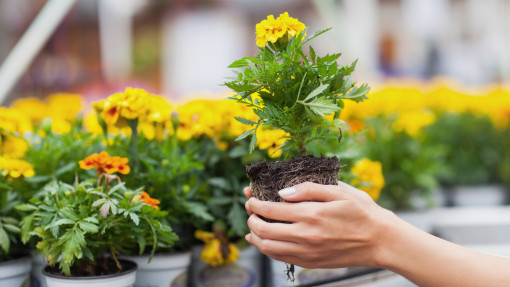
point(182, 47)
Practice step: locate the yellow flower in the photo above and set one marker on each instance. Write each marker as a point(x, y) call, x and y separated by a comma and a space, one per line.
point(64, 106)
point(15, 168)
point(369, 177)
point(412, 122)
point(14, 120)
point(271, 140)
point(271, 29)
point(212, 252)
point(128, 105)
point(33, 108)
point(13, 147)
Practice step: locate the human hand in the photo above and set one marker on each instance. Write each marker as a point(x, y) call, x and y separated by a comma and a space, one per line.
point(330, 226)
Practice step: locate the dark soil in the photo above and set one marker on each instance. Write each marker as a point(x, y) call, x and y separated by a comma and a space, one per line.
point(100, 267)
point(269, 178)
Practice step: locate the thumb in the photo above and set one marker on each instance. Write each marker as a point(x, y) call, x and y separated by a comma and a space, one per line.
point(309, 191)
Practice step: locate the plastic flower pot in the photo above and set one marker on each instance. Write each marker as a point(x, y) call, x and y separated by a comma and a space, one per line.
point(15, 272)
point(38, 264)
point(168, 269)
point(245, 272)
point(126, 278)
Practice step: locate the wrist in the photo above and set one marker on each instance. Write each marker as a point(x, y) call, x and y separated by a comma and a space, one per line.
point(391, 229)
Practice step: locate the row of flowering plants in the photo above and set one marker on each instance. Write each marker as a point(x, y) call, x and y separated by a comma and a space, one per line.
point(186, 156)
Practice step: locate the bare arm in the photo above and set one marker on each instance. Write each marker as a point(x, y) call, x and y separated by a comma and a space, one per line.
point(341, 226)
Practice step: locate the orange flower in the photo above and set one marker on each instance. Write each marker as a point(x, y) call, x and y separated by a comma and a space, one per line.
point(105, 163)
point(146, 198)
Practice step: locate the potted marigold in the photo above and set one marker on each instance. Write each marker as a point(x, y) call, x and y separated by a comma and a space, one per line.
point(82, 228)
point(301, 95)
point(146, 128)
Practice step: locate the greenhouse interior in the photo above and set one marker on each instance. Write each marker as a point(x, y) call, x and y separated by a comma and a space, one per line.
point(211, 143)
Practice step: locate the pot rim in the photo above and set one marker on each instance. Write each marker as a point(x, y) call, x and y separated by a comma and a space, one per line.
point(131, 267)
point(15, 260)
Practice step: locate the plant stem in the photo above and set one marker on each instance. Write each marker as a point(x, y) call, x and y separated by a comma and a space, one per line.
point(113, 251)
point(133, 147)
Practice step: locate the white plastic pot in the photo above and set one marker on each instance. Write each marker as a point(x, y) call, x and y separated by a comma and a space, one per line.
point(15, 272)
point(38, 264)
point(164, 270)
point(124, 279)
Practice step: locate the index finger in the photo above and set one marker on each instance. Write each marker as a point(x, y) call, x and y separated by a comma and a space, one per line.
point(281, 211)
point(247, 192)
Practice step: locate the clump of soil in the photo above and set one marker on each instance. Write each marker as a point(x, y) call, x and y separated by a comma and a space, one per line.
point(85, 268)
point(269, 178)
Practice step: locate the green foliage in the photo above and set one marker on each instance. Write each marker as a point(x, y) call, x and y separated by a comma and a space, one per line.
point(472, 145)
point(410, 165)
point(170, 172)
point(293, 92)
point(9, 223)
point(55, 156)
point(81, 221)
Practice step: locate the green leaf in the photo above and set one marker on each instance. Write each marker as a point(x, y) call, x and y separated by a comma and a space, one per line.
point(312, 54)
point(243, 62)
point(12, 228)
point(253, 141)
point(66, 168)
point(5, 244)
point(358, 94)
point(25, 207)
point(222, 200)
point(88, 227)
point(219, 182)
point(322, 107)
point(244, 135)
point(198, 210)
point(134, 217)
point(321, 88)
point(314, 35)
point(37, 179)
point(245, 121)
point(237, 219)
point(4, 186)
point(237, 151)
point(91, 219)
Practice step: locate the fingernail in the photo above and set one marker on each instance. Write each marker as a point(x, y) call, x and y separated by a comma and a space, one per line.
point(287, 191)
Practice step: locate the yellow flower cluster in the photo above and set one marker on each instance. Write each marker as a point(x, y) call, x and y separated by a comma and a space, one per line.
point(13, 124)
point(212, 250)
point(212, 118)
point(283, 27)
point(62, 109)
point(15, 168)
point(413, 102)
point(271, 140)
point(369, 177)
point(413, 121)
point(152, 112)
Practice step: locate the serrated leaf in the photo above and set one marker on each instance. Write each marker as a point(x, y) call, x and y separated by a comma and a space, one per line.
point(321, 88)
point(104, 210)
point(358, 94)
point(134, 217)
point(244, 135)
point(61, 222)
point(88, 227)
point(322, 107)
point(198, 210)
point(245, 121)
point(312, 54)
point(316, 34)
point(37, 179)
point(91, 219)
point(237, 219)
point(243, 62)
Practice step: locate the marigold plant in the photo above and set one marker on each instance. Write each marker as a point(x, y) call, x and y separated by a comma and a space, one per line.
point(291, 91)
point(103, 162)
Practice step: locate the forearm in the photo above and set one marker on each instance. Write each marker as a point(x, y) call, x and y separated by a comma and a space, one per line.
point(430, 261)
